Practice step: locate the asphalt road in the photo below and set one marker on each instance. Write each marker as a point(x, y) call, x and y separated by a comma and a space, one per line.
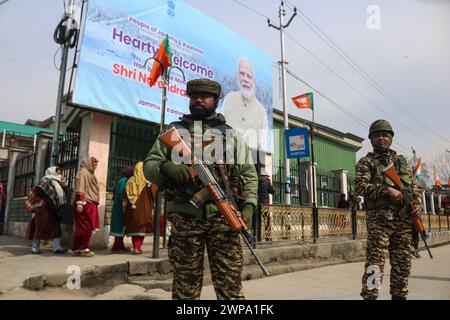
point(429, 280)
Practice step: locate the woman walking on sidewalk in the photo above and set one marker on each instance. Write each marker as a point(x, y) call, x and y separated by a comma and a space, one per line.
point(47, 201)
point(87, 197)
point(138, 205)
point(117, 216)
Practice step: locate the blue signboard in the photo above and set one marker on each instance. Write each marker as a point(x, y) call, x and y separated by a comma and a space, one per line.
point(297, 143)
point(120, 35)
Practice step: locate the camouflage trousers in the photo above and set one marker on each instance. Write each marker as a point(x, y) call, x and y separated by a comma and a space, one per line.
point(186, 252)
point(388, 231)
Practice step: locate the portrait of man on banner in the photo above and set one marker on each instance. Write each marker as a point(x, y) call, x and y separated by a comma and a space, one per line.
point(244, 112)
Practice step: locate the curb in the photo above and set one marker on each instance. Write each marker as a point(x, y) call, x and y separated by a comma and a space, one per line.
point(280, 259)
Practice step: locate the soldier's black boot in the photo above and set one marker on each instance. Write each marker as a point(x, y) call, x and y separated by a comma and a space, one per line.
point(398, 298)
point(417, 254)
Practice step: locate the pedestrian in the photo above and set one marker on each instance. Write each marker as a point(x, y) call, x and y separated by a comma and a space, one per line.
point(194, 228)
point(117, 216)
point(353, 200)
point(265, 188)
point(47, 201)
point(138, 208)
point(343, 203)
point(87, 196)
point(388, 224)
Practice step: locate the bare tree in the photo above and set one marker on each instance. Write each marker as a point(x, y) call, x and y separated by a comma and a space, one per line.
point(442, 164)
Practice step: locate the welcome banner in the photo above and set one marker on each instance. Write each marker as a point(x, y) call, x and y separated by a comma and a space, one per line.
point(120, 35)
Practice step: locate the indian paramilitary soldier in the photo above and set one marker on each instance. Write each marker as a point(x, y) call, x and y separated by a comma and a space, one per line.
point(194, 228)
point(388, 222)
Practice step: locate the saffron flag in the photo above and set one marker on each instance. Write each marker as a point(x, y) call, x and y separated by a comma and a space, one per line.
point(418, 170)
point(437, 180)
point(304, 101)
point(164, 56)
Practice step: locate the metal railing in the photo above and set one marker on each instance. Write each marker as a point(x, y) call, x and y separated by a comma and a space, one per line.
point(25, 171)
point(280, 222)
point(67, 156)
point(335, 222)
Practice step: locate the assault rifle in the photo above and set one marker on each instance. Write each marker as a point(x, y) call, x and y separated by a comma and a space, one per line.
point(224, 201)
point(390, 172)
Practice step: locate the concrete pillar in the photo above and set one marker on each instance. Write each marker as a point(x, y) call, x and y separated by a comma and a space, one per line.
point(94, 141)
point(432, 203)
point(424, 201)
point(42, 141)
point(10, 186)
point(343, 175)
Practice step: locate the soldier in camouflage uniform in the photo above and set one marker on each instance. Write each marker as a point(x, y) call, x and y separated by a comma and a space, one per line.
point(388, 220)
point(192, 228)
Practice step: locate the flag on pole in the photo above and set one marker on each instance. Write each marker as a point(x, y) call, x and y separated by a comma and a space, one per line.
point(418, 170)
point(304, 101)
point(437, 180)
point(164, 56)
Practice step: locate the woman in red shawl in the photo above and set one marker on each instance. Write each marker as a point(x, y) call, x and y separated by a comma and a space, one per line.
point(87, 195)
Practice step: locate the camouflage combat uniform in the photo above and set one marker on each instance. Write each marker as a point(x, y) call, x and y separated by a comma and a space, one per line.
point(194, 228)
point(388, 225)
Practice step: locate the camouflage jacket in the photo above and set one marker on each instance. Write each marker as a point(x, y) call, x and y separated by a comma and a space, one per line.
point(235, 145)
point(372, 183)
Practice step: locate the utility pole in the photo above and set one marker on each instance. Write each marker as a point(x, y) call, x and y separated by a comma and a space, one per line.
point(66, 33)
point(283, 62)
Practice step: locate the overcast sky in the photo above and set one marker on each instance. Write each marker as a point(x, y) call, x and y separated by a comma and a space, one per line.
point(408, 56)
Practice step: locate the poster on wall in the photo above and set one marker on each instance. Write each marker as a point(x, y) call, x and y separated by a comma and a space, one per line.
point(120, 35)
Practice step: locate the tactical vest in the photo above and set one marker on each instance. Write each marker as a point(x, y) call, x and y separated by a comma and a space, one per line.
point(223, 173)
point(378, 177)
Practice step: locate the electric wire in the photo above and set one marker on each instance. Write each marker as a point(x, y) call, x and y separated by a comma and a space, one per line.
point(355, 66)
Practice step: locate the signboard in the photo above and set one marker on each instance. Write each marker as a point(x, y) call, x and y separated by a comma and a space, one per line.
point(297, 143)
point(120, 35)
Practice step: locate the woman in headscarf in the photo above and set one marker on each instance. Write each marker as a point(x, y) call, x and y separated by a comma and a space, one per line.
point(117, 216)
point(138, 204)
point(47, 201)
point(87, 195)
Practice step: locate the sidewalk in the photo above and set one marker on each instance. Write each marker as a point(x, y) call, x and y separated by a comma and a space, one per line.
point(17, 263)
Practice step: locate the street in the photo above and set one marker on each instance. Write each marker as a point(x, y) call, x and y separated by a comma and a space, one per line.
point(429, 280)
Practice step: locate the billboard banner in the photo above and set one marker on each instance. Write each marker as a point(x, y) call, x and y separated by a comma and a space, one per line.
point(120, 35)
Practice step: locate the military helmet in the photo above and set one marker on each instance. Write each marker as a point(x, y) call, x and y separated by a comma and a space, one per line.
point(380, 125)
point(203, 86)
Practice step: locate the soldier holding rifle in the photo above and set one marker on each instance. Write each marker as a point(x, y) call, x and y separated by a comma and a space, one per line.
point(388, 219)
point(196, 221)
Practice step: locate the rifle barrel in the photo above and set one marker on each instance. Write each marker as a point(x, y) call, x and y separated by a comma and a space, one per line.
point(258, 260)
point(426, 244)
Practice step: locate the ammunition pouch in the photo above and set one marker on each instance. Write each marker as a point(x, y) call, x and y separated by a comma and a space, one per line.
point(382, 203)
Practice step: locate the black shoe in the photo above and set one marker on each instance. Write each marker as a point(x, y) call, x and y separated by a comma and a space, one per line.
point(417, 254)
point(60, 251)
